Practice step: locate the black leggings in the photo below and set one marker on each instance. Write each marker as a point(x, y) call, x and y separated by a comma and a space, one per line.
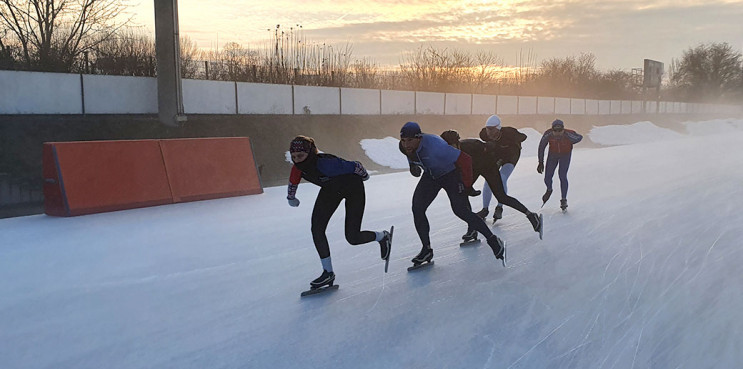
point(328, 199)
point(427, 190)
point(495, 182)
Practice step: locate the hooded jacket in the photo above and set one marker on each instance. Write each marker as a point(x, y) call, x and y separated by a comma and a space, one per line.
point(507, 147)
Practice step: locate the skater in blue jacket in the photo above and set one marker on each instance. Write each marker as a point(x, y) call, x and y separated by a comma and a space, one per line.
point(443, 167)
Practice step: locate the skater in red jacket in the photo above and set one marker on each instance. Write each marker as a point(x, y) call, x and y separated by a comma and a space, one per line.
point(560, 141)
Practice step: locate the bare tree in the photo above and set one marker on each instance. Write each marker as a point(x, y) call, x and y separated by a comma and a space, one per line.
point(708, 72)
point(52, 33)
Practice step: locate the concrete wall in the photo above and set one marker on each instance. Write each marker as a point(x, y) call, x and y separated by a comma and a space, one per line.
point(429, 103)
point(577, 106)
point(57, 93)
point(507, 105)
point(358, 101)
point(545, 105)
point(40, 93)
point(133, 95)
point(528, 105)
point(458, 104)
point(317, 100)
point(398, 102)
point(562, 105)
point(483, 104)
point(209, 97)
point(592, 107)
point(261, 98)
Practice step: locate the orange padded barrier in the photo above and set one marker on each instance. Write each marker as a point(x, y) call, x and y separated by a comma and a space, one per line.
point(209, 168)
point(99, 176)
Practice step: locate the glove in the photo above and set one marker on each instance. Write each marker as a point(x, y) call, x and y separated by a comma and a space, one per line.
point(293, 201)
point(360, 171)
point(540, 168)
point(415, 170)
point(499, 163)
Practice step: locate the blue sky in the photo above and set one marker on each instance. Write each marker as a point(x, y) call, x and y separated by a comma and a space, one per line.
point(619, 33)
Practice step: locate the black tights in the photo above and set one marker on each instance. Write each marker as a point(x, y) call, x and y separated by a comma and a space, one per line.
point(427, 190)
point(326, 204)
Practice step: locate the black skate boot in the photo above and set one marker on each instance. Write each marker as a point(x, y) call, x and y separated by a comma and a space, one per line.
point(499, 248)
point(497, 213)
point(384, 245)
point(322, 284)
point(564, 205)
point(424, 258)
point(325, 279)
point(482, 213)
point(546, 196)
point(536, 222)
point(469, 238)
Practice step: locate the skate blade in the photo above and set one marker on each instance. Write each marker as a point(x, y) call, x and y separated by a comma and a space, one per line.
point(387, 260)
point(468, 243)
point(504, 254)
point(541, 226)
point(422, 265)
point(314, 291)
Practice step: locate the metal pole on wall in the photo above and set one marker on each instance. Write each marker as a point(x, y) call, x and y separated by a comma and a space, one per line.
point(169, 91)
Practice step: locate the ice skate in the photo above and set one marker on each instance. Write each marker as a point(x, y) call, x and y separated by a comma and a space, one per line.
point(325, 279)
point(424, 258)
point(546, 196)
point(482, 213)
point(564, 205)
point(469, 238)
point(385, 247)
point(499, 248)
point(321, 284)
point(537, 222)
point(497, 213)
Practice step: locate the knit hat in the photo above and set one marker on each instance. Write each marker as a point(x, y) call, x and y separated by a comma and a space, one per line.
point(411, 130)
point(558, 122)
point(451, 137)
point(493, 121)
point(302, 144)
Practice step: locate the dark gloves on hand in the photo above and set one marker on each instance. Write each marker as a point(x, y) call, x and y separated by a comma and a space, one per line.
point(415, 170)
point(540, 168)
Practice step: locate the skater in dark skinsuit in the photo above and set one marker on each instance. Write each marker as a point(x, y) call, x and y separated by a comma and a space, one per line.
point(561, 143)
point(484, 162)
point(505, 143)
point(444, 167)
point(338, 180)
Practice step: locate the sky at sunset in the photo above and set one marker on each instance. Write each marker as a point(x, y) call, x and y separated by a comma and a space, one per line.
point(620, 33)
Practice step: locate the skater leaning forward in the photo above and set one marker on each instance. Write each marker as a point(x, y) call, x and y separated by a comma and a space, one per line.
point(560, 141)
point(338, 180)
point(444, 167)
point(485, 163)
point(505, 144)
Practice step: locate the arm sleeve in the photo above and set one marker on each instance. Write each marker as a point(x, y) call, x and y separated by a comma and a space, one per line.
point(520, 137)
point(542, 145)
point(573, 136)
point(464, 163)
point(360, 171)
point(294, 178)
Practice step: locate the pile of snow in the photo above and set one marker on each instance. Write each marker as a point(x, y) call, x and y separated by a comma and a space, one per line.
point(385, 152)
point(639, 132)
point(715, 126)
